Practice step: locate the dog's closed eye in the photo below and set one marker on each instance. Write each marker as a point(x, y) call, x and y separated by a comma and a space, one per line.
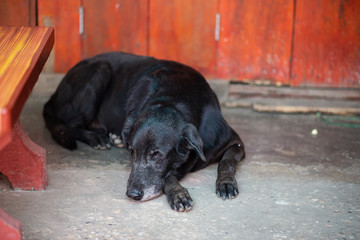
point(154, 154)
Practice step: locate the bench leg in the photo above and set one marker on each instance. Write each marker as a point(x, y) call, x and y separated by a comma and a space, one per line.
point(24, 162)
point(10, 228)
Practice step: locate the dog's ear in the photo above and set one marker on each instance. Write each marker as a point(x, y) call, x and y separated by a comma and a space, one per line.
point(125, 134)
point(191, 140)
point(125, 137)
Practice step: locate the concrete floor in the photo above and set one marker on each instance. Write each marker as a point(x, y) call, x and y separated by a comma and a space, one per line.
point(293, 185)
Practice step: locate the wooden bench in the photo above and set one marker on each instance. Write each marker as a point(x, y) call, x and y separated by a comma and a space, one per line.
point(23, 53)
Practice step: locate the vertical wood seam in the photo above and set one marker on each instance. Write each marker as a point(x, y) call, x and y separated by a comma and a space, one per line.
point(147, 40)
point(291, 62)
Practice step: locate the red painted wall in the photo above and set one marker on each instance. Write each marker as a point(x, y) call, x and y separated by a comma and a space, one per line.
point(297, 43)
point(327, 44)
point(184, 31)
point(255, 40)
point(18, 12)
point(114, 25)
point(64, 17)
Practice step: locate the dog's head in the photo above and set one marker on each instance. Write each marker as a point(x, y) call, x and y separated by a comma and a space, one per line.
point(159, 144)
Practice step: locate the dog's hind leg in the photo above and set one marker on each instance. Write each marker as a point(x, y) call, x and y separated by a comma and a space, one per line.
point(71, 112)
point(226, 185)
point(97, 140)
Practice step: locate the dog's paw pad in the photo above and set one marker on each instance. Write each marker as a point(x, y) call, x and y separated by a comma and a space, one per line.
point(227, 188)
point(180, 200)
point(116, 140)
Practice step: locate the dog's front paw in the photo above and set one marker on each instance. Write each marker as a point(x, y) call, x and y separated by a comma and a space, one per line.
point(116, 140)
point(179, 199)
point(226, 187)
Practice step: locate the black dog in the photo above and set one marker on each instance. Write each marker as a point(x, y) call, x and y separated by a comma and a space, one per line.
point(164, 113)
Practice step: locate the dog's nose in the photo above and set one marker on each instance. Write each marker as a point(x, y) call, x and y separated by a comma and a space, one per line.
point(135, 194)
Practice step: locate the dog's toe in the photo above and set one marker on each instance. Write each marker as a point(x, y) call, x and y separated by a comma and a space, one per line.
point(182, 205)
point(118, 143)
point(116, 140)
point(227, 188)
point(180, 200)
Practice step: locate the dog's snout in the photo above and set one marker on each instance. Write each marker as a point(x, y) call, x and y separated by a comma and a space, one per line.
point(135, 194)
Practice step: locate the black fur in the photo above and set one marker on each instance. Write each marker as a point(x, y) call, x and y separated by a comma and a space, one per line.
point(164, 112)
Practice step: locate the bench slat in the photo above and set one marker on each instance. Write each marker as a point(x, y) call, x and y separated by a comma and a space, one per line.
point(23, 53)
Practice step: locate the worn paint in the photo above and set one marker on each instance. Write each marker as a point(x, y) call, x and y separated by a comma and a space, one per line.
point(184, 31)
point(64, 17)
point(302, 43)
point(18, 12)
point(255, 40)
point(326, 44)
point(119, 25)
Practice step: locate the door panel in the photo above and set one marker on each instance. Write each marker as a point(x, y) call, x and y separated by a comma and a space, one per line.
point(18, 12)
point(255, 40)
point(327, 44)
point(64, 17)
point(184, 31)
point(115, 25)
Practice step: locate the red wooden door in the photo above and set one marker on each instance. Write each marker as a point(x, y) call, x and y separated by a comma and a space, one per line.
point(115, 25)
point(258, 40)
point(184, 31)
point(18, 12)
point(255, 40)
point(327, 44)
point(64, 17)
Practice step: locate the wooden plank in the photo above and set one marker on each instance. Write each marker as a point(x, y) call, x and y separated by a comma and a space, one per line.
point(255, 40)
point(184, 31)
point(63, 15)
point(245, 91)
point(327, 44)
point(307, 109)
point(296, 104)
point(23, 52)
point(115, 25)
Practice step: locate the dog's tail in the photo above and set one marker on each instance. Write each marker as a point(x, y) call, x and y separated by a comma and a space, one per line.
point(61, 133)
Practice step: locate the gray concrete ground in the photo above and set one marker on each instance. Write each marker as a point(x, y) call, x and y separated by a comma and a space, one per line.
point(293, 185)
